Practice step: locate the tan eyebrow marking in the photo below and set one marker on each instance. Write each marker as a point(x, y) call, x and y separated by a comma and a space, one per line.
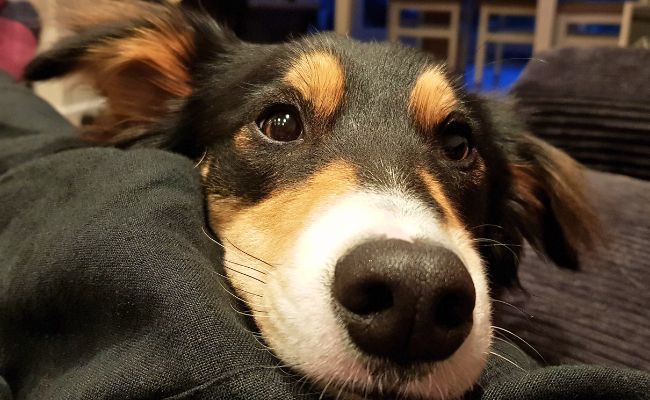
point(436, 191)
point(319, 78)
point(432, 98)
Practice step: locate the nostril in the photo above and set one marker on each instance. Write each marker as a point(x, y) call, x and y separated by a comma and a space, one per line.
point(368, 297)
point(371, 297)
point(454, 309)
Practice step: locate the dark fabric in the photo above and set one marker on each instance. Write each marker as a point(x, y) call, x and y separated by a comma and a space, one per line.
point(600, 314)
point(109, 288)
point(515, 376)
point(594, 103)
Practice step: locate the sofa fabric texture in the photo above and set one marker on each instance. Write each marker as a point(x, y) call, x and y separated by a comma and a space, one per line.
point(592, 102)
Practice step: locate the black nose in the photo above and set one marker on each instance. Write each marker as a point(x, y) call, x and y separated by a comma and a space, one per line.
point(409, 302)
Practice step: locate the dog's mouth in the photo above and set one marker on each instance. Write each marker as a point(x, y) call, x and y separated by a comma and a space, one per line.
point(390, 384)
point(375, 393)
point(388, 381)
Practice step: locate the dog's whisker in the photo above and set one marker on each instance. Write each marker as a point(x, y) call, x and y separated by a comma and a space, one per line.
point(341, 390)
point(249, 304)
point(261, 314)
point(264, 346)
point(205, 152)
point(513, 306)
point(511, 344)
point(366, 386)
point(521, 339)
point(250, 255)
point(484, 225)
point(249, 292)
point(246, 266)
point(244, 274)
point(497, 243)
point(442, 396)
point(224, 277)
point(540, 60)
point(494, 353)
point(324, 391)
point(305, 380)
point(237, 248)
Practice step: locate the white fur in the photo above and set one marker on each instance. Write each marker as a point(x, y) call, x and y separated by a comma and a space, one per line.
point(306, 331)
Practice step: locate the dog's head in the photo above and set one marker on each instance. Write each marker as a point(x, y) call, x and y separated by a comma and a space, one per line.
point(366, 203)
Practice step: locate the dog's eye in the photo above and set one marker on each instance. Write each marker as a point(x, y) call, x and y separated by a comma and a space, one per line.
point(455, 140)
point(281, 123)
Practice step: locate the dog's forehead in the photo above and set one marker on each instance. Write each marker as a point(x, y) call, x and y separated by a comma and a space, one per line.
point(370, 78)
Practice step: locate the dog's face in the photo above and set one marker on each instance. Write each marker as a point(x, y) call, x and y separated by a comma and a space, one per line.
point(365, 202)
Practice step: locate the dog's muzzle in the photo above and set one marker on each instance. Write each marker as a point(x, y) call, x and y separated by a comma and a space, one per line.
point(407, 302)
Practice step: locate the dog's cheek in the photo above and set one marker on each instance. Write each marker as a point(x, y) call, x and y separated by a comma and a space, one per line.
point(260, 238)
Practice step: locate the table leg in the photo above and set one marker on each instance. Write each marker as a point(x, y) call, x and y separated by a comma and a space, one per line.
point(544, 25)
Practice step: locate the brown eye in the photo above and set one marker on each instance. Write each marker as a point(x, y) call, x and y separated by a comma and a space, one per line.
point(281, 124)
point(455, 140)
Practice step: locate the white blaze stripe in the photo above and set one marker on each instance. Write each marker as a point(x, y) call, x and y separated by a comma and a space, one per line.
point(306, 331)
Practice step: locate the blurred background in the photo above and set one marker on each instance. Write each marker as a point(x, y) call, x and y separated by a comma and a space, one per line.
point(489, 42)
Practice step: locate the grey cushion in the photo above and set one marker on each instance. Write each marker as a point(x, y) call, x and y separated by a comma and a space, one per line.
point(592, 102)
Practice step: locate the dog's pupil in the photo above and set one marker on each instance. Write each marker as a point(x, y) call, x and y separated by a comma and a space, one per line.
point(283, 127)
point(456, 147)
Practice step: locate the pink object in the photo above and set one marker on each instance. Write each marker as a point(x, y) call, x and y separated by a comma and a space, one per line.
point(17, 46)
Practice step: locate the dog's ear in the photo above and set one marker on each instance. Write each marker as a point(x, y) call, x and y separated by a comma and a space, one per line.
point(539, 194)
point(138, 55)
point(549, 202)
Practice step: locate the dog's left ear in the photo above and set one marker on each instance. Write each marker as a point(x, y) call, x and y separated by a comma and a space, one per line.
point(539, 194)
point(549, 199)
point(137, 54)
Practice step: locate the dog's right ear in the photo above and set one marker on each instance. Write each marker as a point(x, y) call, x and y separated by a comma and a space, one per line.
point(138, 55)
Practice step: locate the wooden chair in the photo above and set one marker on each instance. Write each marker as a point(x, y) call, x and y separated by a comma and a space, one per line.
point(501, 8)
point(635, 23)
point(449, 32)
point(586, 13)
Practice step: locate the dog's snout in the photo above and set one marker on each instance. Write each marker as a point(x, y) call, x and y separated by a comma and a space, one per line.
point(409, 302)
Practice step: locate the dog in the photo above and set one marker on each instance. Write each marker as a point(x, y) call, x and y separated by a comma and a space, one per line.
point(368, 205)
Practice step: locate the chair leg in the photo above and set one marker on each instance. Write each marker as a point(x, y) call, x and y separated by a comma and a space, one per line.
point(626, 22)
point(393, 21)
point(452, 43)
point(561, 28)
point(481, 43)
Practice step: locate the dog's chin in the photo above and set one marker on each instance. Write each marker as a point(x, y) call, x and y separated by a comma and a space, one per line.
point(379, 380)
point(397, 382)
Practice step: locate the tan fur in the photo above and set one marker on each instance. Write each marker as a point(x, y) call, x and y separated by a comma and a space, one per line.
point(527, 186)
point(560, 179)
point(141, 74)
point(319, 78)
point(437, 192)
point(432, 99)
point(267, 230)
point(242, 140)
point(78, 15)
